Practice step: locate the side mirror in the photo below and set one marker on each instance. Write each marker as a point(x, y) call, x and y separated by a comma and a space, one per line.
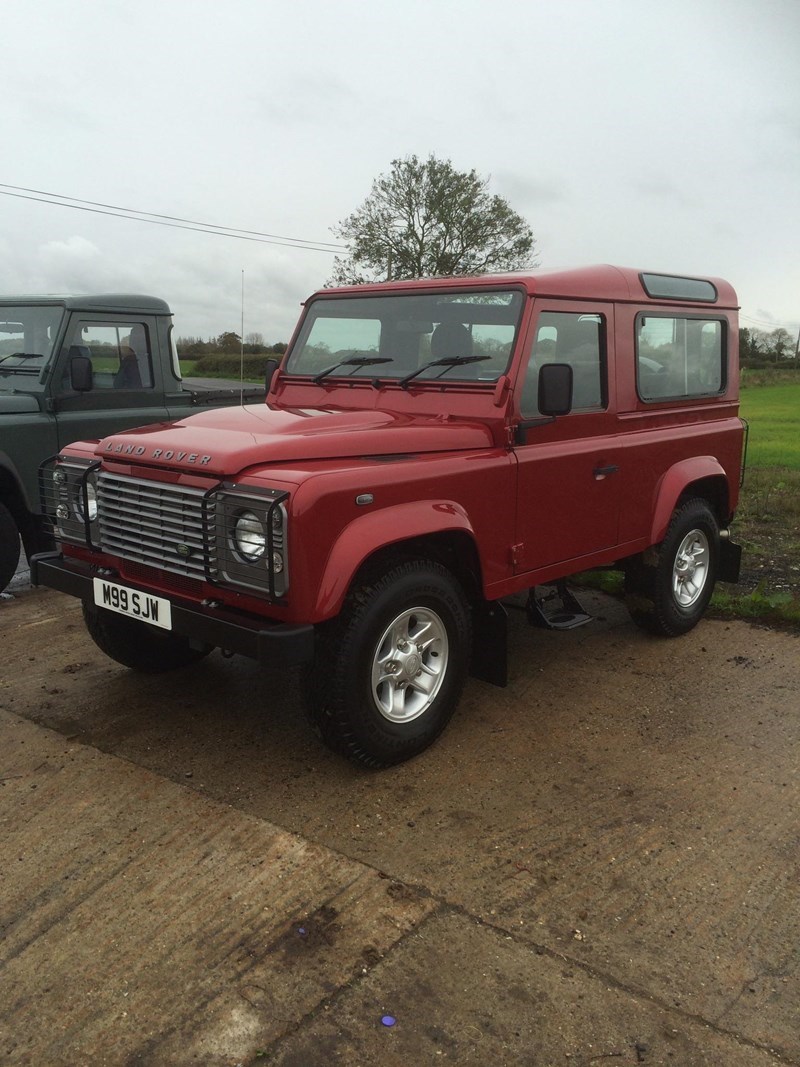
point(271, 370)
point(81, 372)
point(555, 389)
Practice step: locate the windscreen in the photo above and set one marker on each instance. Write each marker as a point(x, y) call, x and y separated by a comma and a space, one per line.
point(463, 336)
point(27, 338)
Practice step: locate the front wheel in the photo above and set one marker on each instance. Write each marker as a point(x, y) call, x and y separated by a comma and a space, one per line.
point(391, 667)
point(138, 645)
point(669, 586)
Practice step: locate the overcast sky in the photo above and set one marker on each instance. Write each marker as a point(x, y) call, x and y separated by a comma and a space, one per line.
point(660, 135)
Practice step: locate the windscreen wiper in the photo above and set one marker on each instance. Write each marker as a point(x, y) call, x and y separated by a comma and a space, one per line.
point(21, 355)
point(356, 361)
point(447, 361)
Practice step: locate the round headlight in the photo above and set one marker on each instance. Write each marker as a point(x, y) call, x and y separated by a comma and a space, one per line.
point(250, 537)
point(91, 496)
point(277, 562)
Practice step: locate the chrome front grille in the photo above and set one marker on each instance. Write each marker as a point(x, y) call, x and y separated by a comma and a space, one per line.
point(159, 524)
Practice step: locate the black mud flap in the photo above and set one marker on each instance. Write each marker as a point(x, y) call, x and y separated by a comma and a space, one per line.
point(730, 560)
point(557, 610)
point(490, 643)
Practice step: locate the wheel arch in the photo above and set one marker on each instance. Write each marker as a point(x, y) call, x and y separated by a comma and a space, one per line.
point(29, 524)
point(703, 478)
point(437, 530)
point(11, 494)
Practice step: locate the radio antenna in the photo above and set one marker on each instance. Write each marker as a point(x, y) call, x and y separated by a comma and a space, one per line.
point(241, 351)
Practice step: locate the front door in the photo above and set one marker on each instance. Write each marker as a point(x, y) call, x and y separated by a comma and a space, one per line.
point(127, 381)
point(568, 469)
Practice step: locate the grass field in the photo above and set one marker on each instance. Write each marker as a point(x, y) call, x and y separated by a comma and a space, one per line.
point(773, 412)
point(768, 520)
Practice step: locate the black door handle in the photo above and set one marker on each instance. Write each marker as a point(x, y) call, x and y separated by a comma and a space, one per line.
point(601, 472)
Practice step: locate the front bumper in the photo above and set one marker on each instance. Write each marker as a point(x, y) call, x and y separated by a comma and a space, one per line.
point(279, 644)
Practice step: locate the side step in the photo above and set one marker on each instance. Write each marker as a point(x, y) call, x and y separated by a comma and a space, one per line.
point(566, 614)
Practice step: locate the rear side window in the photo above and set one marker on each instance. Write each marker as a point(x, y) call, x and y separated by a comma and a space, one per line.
point(679, 356)
point(576, 339)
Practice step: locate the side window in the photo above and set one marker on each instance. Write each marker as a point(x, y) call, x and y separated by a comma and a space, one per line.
point(574, 338)
point(120, 354)
point(679, 356)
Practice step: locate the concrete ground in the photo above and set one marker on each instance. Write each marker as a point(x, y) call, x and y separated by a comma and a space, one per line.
point(598, 864)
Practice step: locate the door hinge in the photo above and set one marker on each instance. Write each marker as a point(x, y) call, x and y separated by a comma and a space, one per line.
point(516, 554)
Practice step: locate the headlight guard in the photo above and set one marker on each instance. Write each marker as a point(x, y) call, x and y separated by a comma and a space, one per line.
point(68, 493)
point(251, 538)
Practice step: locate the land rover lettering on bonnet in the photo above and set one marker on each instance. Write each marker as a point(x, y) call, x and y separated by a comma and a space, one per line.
point(426, 450)
point(120, 449)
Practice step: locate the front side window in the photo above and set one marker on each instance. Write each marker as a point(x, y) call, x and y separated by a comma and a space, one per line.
point(120, 353)
point(574, 338)
point(393, 336)
point(679, 356)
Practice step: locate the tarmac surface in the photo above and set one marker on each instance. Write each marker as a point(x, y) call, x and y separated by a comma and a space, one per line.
point(596, 865)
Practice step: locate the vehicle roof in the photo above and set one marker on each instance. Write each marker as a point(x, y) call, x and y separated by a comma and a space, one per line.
point(601, 282)
point(93, 302)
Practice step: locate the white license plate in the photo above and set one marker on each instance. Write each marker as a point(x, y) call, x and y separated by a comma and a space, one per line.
point(131, 602)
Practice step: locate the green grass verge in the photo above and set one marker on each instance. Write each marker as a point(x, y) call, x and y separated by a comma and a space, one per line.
point(768, 528)
point(768, 520)
point(773, 412)
point(759, 605)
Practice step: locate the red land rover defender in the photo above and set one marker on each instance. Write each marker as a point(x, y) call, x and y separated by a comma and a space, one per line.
point(426, 448)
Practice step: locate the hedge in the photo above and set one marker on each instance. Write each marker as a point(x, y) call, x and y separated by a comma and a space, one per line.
point(230, 365)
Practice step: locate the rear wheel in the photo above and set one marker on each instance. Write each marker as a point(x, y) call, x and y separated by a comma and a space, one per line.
point(391, 667)
point(669, 586)
point(9, 547)
point(138, 645)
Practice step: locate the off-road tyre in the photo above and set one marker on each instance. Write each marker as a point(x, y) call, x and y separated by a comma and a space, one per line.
point(138, 645)
point(668, 587)
point(9, 547)
point(413, 603)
